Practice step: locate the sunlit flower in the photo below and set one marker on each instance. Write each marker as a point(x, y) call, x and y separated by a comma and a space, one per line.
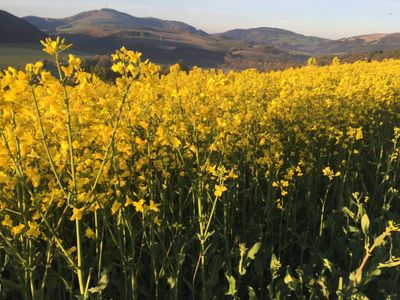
point(219, 189)
point(154, 206)
point(139, 205)
point(89, 233)
point(77, 213)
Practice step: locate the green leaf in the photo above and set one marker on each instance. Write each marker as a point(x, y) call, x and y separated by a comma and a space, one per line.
point(348, 212)
point(353, 229)
point(290, 281)
point(232, 285)
point(371, 275)
point(254, 250)
point(365, 224)
point(274, 266)
point(171, 282)
point(380, 239)
point(327, 264)
point(252, 293)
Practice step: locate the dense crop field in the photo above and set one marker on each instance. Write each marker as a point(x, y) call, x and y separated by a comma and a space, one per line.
point(203, 185)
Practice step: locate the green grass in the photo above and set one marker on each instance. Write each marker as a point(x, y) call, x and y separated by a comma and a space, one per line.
point(18, 55)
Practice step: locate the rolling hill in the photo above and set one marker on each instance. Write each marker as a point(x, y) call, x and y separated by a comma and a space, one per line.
point(107, 21)
point(279, 38)
point(102, 31)
point(362, 43)
point(17, 30)
point(309, 45)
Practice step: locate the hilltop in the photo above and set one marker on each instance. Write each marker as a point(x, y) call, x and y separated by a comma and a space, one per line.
point(105, 22)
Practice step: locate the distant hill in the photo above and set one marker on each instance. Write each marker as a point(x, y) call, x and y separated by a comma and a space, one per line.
point(16, 30)
point(106, 21)
point(102, 31)
point(297, 43)
point(44, 24)
point(362, 43)
point(279, 38)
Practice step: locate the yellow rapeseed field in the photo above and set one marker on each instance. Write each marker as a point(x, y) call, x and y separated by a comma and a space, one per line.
point(203, 184)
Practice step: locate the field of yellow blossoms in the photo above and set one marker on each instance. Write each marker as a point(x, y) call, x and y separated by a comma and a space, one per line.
point(199, 185)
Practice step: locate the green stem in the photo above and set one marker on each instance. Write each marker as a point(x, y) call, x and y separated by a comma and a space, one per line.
point(321, 224)
point(79, 270)
point(79, 258)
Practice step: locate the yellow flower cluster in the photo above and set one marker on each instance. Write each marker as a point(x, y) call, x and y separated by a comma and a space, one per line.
point(170, 120)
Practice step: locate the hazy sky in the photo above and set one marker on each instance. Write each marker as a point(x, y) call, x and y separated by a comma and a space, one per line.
point(325, 18)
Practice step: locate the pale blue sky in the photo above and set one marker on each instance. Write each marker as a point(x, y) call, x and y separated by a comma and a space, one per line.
point(325, 18)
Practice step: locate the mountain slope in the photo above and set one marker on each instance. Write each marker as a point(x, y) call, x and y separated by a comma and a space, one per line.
point(16, 30)
point(362, 43)
point(105, 21)
point(297, 43)
point(103, 31)
point(44, 24)
point(279, 38)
